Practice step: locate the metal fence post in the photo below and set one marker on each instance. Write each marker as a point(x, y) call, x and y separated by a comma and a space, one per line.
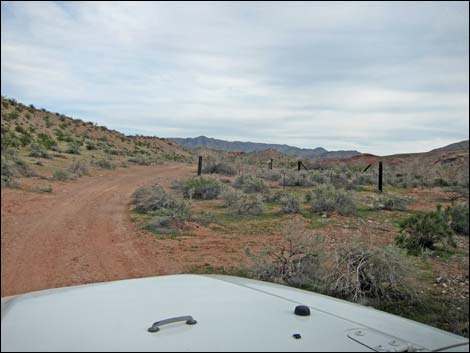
point(199, 166)
point(380, 176)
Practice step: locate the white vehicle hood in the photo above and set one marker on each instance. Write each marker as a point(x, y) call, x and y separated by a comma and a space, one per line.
point(232, 314)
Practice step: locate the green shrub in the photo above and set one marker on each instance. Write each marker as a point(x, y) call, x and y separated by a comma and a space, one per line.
point(250, 184)
point(46, 141)
point(73, 148)
point(62, 175)
point(140, 159)
point(424, 231)
point(104, 164)
point(13, 115)
point(38, 151)
point(290, 203)
point(393, 203)
point(154, 199)
point(202, 188)
point(458, 216)
point(325, 198)
point(12, 166)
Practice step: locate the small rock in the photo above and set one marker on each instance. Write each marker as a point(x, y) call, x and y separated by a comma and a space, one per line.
point(444, 292)
point(438, 279)
point(444, 285)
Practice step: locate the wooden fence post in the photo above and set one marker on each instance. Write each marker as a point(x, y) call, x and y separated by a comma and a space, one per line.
point(298, 165)
point(270, 164)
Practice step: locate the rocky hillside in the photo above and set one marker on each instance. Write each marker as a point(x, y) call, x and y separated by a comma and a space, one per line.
point(458, 146)
point(37, 142)
point(237, 146)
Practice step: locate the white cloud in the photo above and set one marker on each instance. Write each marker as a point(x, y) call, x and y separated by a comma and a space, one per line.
point(378, 77)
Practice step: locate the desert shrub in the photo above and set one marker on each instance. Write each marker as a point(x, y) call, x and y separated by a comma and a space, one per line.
point(424, 231)
point(297, 263)
point(62, 175)
point(38, 151)
point(249, 204)
point(299, 178)
point(362, 273)
point(13, 115)
point(250, 184)
point(392, 203)
point(140, 159)
point(90, 146)
point(45, 140)
point(78, 168)
point(201, 188)
point(163, 225)
point(73, 148)
point(290, 203)
point(364, 179)
point(217, 166)
point(458, 216)
point(270, 174)
point(12, 166)
point(104, 164)
point(325, 198)
point(276, 196)
point(154, 199)
point(440, 182)
point(231, 197)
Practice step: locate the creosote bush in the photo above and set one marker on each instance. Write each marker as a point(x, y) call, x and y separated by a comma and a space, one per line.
point(458, 217)
point(425, 231)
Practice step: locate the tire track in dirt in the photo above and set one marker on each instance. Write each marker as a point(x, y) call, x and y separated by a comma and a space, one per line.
point(80, 233)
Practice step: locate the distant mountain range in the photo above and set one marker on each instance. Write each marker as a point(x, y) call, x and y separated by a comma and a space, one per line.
point(237, 146)
point(458, 146)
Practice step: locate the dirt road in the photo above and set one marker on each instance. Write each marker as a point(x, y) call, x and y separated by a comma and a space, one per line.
point(80, 233)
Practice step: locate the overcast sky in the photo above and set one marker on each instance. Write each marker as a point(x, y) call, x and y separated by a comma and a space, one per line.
point(377, 77)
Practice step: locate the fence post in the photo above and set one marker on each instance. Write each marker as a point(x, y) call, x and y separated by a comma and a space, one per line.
point(270, 164)
point(298, 165)
point(380, 176)
point(199, 166)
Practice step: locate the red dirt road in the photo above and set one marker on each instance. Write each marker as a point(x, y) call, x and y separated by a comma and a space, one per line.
point(80, 233)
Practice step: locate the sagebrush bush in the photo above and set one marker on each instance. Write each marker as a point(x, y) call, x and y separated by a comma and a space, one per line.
point(203, 188)
point(362, 273)
point(325, 198)
point(140, 159)
point(270, 174)
point(290, 203)
point(250, 184)
point(78, 168)
point(231, 197)
point(424, 231)
point(62, 175)
point(217, 166)
point(458, 216)
point(38, 151)
point(392, 203)
point(154, 199)
point(104, 163)
point(249, 204)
